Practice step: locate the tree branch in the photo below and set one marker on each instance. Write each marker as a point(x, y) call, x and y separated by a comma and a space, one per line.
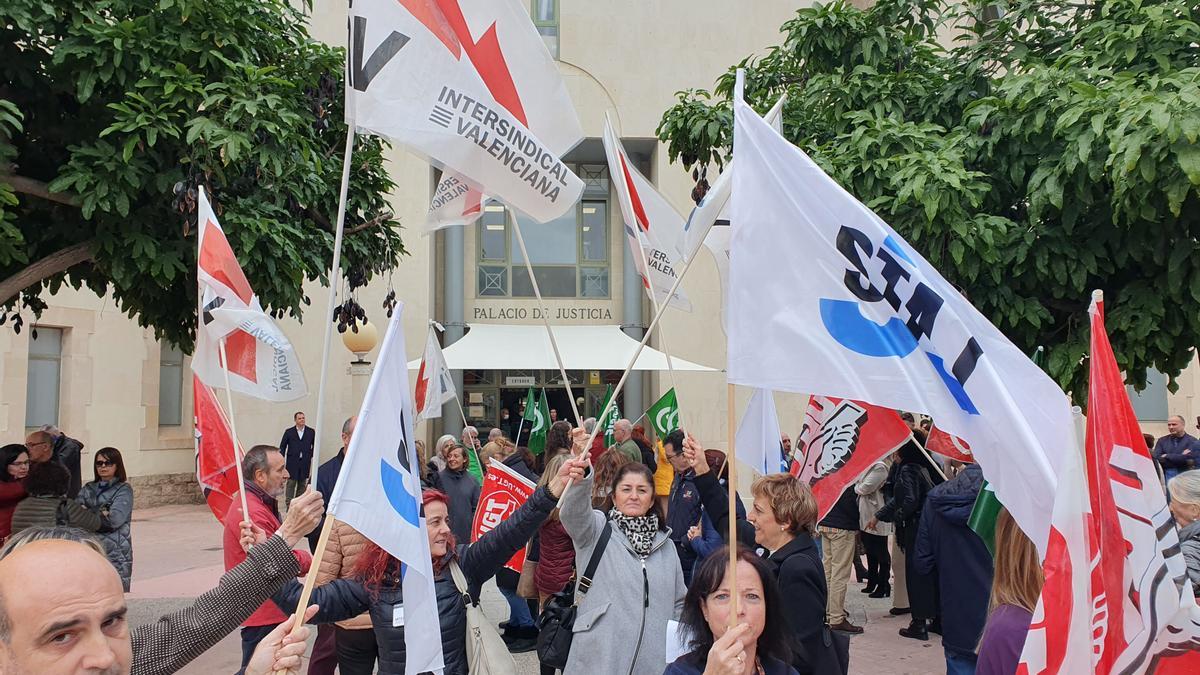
point(381, 218)
point(55, 263)
point(36, 188)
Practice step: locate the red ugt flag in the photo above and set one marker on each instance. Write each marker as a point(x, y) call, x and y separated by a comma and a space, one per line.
point(503, 492)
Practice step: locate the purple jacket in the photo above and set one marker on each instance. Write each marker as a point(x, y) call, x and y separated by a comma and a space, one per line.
point(1003, 639)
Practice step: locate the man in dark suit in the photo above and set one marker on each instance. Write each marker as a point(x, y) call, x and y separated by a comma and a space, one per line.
point(297, 449)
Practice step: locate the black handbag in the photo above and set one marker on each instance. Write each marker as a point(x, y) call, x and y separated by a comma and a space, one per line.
point(833, 657)
point(557, 622)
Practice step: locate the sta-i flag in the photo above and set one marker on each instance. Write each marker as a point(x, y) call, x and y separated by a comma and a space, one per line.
point(664, 414)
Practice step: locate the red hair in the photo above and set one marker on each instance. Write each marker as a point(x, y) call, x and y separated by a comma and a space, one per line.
point(374, 563)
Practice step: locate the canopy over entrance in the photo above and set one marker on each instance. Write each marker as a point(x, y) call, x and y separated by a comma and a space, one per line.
point(489, 346)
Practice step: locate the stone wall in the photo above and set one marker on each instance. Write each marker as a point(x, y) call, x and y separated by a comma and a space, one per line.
point(165, 488)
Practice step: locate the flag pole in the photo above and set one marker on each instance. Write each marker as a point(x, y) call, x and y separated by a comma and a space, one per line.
point(334, 287)
point(662, 332)
point(633, 360)
point(233, 432)
point(731, 490)
point(546, 321)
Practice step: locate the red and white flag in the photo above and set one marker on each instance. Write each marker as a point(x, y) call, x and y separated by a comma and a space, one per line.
point(948, 445)
point(839, 441)
point(216, 459)
point(434, 384)
point(1117, 598)
point(470, 85)
point(262, 362)
point(503, 492)
point(651, 224)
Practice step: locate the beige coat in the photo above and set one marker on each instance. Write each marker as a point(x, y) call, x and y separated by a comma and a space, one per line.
point(341, 551)
point(869, 489)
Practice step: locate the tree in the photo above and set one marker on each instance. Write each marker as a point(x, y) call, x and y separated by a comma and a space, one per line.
point(1051, 150)
point(113, 112)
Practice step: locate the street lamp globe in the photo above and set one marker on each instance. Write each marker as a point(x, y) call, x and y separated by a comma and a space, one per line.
point(362, 340)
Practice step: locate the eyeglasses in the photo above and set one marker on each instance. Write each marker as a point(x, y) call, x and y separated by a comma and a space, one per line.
point(104, 462)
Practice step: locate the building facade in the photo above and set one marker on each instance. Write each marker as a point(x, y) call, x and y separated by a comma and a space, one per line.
point(94, 373)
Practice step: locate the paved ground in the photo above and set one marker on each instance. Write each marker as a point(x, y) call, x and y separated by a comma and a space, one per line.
point(177, 556)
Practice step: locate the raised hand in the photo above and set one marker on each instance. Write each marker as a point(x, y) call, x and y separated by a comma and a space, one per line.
point(572, 470)
point(303, 516)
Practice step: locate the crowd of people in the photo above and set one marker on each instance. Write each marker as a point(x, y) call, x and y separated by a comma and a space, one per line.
point(648, 522)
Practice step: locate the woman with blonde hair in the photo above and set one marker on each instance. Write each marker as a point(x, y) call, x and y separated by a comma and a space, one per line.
point(1016, 586)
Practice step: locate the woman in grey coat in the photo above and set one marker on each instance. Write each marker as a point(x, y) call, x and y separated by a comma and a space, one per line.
point(1184, 490)
point(111, 497)
point(621, 625)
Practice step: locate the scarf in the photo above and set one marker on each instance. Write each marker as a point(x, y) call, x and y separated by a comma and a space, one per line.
point(639, 530)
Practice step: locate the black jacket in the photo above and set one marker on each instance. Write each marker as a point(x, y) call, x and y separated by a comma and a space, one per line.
point(517, 463)
point(908, 498)
point(298, 452)
point(463, 491)
point(69, 451)
point(327, 475)
point(683, 511)
point(945, 544)
point(346, 598)
point(844, 514)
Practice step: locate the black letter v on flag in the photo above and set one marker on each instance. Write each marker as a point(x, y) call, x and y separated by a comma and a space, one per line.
point(360, 75)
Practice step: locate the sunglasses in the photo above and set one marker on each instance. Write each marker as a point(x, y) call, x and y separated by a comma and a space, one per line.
point(104, 462)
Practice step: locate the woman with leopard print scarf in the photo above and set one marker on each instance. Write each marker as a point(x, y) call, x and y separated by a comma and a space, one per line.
point(638, 586)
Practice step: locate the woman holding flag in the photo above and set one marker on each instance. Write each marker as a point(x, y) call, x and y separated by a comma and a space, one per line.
point(376, 586)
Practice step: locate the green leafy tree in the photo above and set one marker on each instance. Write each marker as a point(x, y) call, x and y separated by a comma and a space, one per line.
point(114, 112)
point(1031, 153)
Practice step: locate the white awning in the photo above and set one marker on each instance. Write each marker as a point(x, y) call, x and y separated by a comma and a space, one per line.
point(489, 346)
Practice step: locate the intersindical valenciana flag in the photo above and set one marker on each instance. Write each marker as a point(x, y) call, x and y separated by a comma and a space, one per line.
point(435, 386)
point(826, 297)
point(261, 360)
point(470, 85)
point(651, 224)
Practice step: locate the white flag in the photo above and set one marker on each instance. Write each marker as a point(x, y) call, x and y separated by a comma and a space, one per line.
point(650, 223)
point(714, 208)
point(464, 82)
point(378, 493)
point(262, 362)
point(757, 440)
point(434, 384)
point(824, 297)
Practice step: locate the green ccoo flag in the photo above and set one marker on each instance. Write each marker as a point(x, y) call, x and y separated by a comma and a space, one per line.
point(528, 416)
point(983, 516)
point(539, 422)
point(611, 420)
point(664, 415)
point(473, 466)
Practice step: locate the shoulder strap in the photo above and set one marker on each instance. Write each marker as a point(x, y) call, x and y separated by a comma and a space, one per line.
point(585, 581)
point(460, 582)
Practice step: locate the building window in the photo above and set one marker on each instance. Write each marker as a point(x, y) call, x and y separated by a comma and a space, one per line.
point(1150, 404)
point(569, 255)
point(545, 18)
point(170, 386)
point(45, 377)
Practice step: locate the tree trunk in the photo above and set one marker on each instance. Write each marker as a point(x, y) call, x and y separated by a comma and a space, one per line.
point(59, 261)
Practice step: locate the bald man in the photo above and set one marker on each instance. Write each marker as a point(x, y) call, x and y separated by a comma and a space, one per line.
point(75, 626)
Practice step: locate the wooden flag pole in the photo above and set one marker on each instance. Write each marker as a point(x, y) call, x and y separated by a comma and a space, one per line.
point(334, 287)
point(233, 432)
point(546, 321)
point(731, 489)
